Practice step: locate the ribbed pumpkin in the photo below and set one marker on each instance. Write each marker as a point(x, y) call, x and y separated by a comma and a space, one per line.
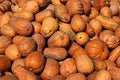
point(96, 48)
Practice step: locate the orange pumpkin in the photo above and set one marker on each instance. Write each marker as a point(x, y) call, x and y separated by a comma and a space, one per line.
point(96, 48)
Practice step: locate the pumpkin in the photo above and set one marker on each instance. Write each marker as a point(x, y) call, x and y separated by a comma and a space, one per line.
point(58, 39)
point(96, 48)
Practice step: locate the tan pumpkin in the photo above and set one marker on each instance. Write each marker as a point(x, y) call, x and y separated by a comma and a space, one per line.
point(17, 62)
point(76, 76)
point(58, 39)
point(77, 23)
point(109, 37)
point(67, 67)
point(12, 52)
point(118, 62)
point(16, 40)
point(58, 53)
point(25, 14)
point(75, 48)
point(115, 73)
point(49, 26)
point(26, 46)
point(21, 26)
point(65, 27)
point(5, 41)
point(32, 6)
point(58, 77)
point(7, 30)
point(35, 61)
point(84, 63)
point(5, 63)
point(92, 76)
point(100, 64)
point(61, 12)
point(39, 17)
point(21, 71)
point(40, 41)
point(74, 7)
point(51, 69)
point(8, 77)
point(103, 75)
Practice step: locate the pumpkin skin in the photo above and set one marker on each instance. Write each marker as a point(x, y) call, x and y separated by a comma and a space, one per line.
point(49, 26)
point(109, 37)
point(26, 46)
point(35, 62)
point(51, 69)
point(5, 41)
point(58, 39)
point(40, 41)
point(67, 67)
point(96, 48)
point(5, 63)
point(77, 23)
point(62, 13)
point(21, 26)
point(103, 75)
point(74, 7)
point(76, 76)
point(8, 77)
point(84, 63)
point(57, 53)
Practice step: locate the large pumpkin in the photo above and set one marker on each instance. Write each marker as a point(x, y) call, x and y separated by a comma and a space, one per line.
point(96, 48)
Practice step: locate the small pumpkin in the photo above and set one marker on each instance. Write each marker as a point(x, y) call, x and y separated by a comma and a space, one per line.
point(58, 77)
point(106, 11)
point(118, 62)
point(77, 23)
point(8, 77)
point(115, 73)
point(65, 27)
point(84, 63)
point(39, 17)
point(58, 39)
point(5, 63)
point(100, 64)
point(67, 67)
point(61, 12)
point(36, 26)
point(39, 40)
point(110, 64)
point(12, 52)
point(26, 46)
point(58, 53)
point(21, 71)
point(7, 30)
point(25, 14)
point(109, 37)
point(21, 26)
point(35, 61)
point(49, 26)
point(82, 38)
point(103, 75)
point(51, 69)
point(31, 5)
point(74, 7)
point(5, 41)
point(17, 62)
point(76, 76)
point(92, 76)
point(16, 39)
point(96, 25)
